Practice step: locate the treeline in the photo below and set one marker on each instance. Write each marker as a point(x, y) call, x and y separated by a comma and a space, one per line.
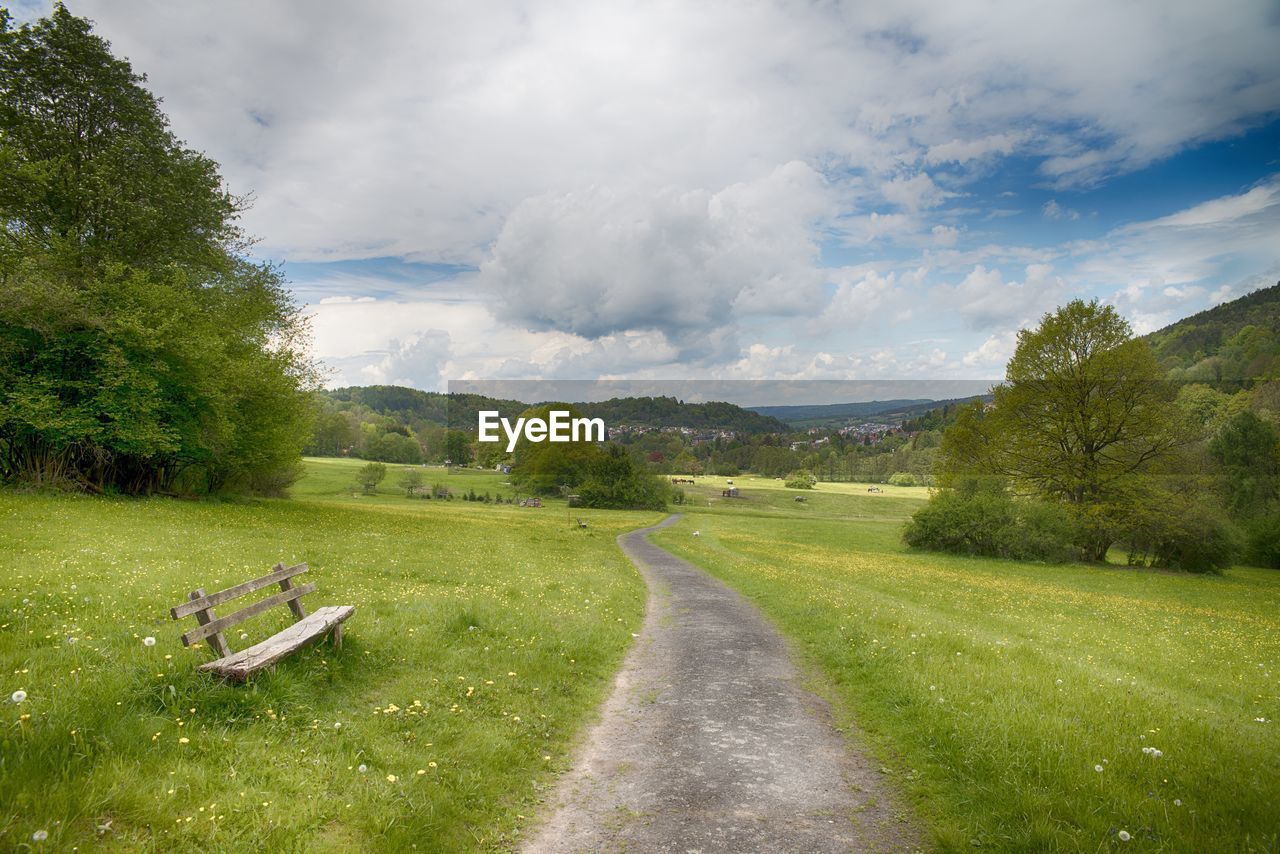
point(140, 349)
point(1229, 347)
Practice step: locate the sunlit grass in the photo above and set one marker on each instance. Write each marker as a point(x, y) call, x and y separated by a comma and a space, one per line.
point(994, 690)
point(483, 639)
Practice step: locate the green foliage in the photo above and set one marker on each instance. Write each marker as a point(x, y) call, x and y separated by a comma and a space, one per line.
point(1248, 450)
point(801, 479)
point(1230, 346)
point(370, 475)
point(903, 478)
point(138, 350)
point(982, 519)
point(1084, 409)
point(612, 479)
point(1180, 532)
point(1262, 541)
point(411, 480)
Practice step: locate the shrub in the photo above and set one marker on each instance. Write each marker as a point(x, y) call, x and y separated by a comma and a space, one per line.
point(801, 479)
point(903, 478)
point(411, 480)
point(1178, 532)
point(983, 519)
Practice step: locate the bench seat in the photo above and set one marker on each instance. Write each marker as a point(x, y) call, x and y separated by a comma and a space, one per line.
point(239, 666)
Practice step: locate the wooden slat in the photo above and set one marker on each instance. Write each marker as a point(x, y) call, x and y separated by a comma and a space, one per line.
point(245, 613)
point(239, 666)
point(279, 573)
point(206, 616)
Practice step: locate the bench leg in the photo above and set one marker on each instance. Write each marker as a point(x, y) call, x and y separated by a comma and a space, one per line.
point(337, 636)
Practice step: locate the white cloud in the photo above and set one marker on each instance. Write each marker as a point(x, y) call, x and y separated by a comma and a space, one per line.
point(413, 129)
point(984, 299)
point(963, 151)
point(1053, 210)
point(602, 260)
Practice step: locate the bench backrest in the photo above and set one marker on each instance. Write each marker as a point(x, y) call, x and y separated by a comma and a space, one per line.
point(211, 626)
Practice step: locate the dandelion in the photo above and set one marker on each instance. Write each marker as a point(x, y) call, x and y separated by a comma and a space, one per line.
point(363, 768)
point(244, 636)
point(148, 641)
point(391, 778)
point(337, 724)
point(184, 740)
point(40, 836)
point(431, 764)
point(421, 771)
point(1124, 836)
point(1098, 768)
point(1177, 802)
point(697, 533)
point(18, 696)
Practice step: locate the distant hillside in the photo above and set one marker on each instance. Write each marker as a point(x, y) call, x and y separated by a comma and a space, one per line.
point(821, 414)
point(1232, 344)
point(460, 410)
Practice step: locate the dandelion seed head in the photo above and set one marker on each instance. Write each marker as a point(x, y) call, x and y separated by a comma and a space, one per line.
point(18, 696)
point(148, 641)
point(1124, 836)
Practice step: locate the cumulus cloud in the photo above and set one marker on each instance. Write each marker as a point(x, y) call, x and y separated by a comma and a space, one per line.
point(411, 129)
point(984, 299)
point(602, 260)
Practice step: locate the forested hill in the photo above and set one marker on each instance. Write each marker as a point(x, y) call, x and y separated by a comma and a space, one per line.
point(834, 414)
point(459, 410)
point(1233, 343)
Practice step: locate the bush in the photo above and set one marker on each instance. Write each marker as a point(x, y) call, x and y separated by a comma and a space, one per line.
point(1262, 541)
point(903, 478)
point(801, 479)
point(985, 521)
point(1177, 532)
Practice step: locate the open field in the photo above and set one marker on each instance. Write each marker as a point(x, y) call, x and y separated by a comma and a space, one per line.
point(484, 638)
point(994, 690)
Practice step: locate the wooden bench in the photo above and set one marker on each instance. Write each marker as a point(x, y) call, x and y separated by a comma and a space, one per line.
point(306, 628)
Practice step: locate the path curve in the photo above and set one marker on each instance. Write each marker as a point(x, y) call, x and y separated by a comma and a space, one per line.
point(709, 743)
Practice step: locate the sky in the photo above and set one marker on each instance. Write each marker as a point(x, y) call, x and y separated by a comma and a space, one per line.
point(725, 190)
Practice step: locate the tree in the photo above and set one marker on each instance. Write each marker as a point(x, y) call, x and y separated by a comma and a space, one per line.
point(370, 475)
point(457, 447)
point(1084, 409)
point(411, 480)
point(139, 349)
point(1248, 450)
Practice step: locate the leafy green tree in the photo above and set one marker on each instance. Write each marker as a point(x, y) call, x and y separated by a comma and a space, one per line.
point(457, 447)
point(1248, 450)
point(139, 349)
point(370, 475)
point(1084, 409)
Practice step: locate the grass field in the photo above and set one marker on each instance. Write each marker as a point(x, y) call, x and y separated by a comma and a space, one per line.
point(485, 635)
point(993, 691)
point(483, 639)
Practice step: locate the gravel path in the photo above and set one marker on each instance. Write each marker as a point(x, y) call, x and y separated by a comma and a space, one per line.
point(708, 743)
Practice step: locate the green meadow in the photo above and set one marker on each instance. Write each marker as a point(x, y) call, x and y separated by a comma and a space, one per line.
point(1020, 706)
point(486, 635)
point(484, 638)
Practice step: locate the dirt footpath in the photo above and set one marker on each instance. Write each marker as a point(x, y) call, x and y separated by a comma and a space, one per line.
point(708, 743)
